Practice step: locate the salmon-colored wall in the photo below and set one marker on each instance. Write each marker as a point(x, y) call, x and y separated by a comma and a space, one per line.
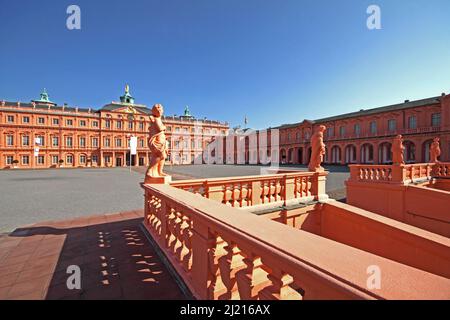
point(416, 205)
point(396, 241)
point(372, 233)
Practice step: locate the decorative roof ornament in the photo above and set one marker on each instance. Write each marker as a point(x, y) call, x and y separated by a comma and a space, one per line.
point(127, 97)
point(44, 96)
point(187, 113)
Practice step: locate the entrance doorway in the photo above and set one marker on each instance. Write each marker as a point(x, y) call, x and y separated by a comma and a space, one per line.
point(118, 162)
point(133, 159)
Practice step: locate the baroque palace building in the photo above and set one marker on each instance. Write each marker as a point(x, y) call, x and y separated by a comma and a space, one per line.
point(365, 136)
point(42, 134)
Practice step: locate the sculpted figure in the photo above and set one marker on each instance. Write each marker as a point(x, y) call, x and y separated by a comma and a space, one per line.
point(157, 144)
point(317, 150)
point(435, 150)
point(397, 150)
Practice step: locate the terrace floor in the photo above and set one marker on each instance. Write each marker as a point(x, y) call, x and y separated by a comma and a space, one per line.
point(114, 256)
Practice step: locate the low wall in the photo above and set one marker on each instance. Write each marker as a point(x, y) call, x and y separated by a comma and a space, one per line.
point(385, 237)
point(226, 253)
point(416, 205)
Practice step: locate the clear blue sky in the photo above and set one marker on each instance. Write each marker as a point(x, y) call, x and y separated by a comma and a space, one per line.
point(276, 61)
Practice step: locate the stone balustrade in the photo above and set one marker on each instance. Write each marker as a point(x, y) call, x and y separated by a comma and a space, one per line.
point(272, 189)
point(221, 252)
point(441, 170)
point(397, 173)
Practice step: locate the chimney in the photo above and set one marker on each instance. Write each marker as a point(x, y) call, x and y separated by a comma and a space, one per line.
point(406, 101)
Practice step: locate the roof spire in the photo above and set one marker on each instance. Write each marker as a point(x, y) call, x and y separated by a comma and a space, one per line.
point(127, 97)
point(44, 96)
point(187, 113)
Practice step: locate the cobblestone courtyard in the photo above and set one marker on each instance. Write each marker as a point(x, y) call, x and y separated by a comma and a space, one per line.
point(30, 196)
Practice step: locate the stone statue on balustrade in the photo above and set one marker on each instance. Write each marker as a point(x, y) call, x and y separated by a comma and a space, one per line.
point(158, 148)
point(435, 150)
point(398, 150)
point(317, 150)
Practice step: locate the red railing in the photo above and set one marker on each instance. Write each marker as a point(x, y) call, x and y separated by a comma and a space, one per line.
point(393, 173)
point(221, 253)
point(258, 190)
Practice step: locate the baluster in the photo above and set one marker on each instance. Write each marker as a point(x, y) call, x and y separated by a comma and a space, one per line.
point(186, 233)
point(279, 288)
point(230, 264)
point(251, 279)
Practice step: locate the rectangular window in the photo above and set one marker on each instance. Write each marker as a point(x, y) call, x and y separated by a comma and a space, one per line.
point(373, 127)
point(82, 142)
point(95, 142)
point(95, 124)
point(69, 122)
point(25, 140)
point(177, 129)
point(107, 142)
point(25, 160)
point(69, 159)
point(10, 119)
point(330, 133)
point(40, 160)
point(435, 119)
point(107, 124)
point(118, 142)
point(9, 140)
point(357, 129)
point(412, 122)
point(392, 125)
point(130, 125)
point(69, 141)
point(82, 123)
point(141, 126)
point(26, 120)
point(94, 159)
point(342, 131)
point(54, 159)
point(119, 124)
point(9, 160)
point(55, 141)
point(55, 121)
point(40, 140)
point(41, 120)
point(169, 129)
point(82, 159)
point(141, 143)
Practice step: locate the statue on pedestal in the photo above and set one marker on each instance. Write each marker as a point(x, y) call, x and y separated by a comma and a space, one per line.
point(435, 150)
point(397, 150)
point(317, 150)
point(158, 148)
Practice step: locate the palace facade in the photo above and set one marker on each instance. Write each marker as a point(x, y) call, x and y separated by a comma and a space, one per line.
point(42, 134)
point(365, 136)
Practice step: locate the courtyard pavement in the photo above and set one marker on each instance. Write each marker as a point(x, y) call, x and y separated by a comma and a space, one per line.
point(111, 252)
point(30, 196)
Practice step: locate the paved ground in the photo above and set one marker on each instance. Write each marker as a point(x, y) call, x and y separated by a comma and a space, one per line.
point(30, 196)
point(112, 252)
